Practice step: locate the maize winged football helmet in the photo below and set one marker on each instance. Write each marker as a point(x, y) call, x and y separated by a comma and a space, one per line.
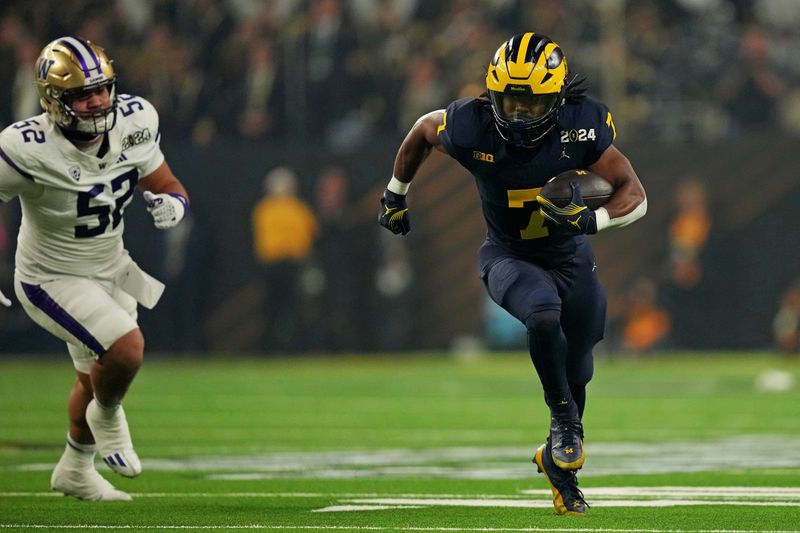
point(526, 83)
point(67, 67)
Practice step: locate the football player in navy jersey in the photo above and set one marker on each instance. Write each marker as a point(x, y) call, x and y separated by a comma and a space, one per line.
point(533, 123)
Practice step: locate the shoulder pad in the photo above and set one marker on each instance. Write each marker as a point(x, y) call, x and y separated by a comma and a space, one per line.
point(586, 112)
point(466, 121)
point(138, 111)
point(591, 119)
point(22, 142)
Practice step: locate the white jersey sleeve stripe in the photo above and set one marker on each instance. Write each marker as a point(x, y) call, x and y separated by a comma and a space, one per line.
point(14, 165)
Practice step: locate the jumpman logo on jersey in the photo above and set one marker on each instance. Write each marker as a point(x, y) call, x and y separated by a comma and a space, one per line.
point(564, 154)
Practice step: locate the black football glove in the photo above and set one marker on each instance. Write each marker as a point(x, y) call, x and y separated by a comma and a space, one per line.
point(575, 217)
point(394, 213)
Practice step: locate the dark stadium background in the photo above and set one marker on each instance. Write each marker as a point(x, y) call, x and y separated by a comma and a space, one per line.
point(702, 91)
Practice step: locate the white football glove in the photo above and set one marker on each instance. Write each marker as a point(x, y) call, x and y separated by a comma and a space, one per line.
point(167, 209)
point(3, 300)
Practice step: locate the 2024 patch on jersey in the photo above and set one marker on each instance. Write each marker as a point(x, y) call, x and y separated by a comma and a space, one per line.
point(73, 202)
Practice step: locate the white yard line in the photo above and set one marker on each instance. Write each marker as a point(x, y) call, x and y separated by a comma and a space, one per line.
point(734, 453)
point(383, 528)
point(735, 495)
point(366, 503)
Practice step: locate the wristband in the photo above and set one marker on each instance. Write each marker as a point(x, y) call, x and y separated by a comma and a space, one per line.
point(601, 218)
point(397, 186)
point(182, 199)
point(604, 220)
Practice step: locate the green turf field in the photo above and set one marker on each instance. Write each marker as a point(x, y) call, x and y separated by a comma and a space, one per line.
point(415, 443)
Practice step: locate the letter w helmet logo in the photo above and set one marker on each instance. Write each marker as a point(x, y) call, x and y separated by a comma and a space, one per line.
point(43, 68)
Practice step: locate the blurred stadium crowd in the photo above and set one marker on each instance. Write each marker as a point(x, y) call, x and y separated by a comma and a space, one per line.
point(343, 70)
point(344, 75)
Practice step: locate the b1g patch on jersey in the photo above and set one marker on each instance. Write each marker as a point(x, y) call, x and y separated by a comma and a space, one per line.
point(137, 137)
point(483, 156)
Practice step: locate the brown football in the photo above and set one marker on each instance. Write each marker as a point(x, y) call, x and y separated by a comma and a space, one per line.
point(595, 190)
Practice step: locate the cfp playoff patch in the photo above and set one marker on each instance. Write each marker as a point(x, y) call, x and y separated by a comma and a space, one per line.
point(137, 137)
point(75, 173)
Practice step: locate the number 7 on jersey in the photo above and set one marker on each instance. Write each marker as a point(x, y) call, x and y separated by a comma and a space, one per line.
point(536, 228)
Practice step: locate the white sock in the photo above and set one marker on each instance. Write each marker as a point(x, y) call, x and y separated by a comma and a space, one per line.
point(106, 412)
point(79, 455)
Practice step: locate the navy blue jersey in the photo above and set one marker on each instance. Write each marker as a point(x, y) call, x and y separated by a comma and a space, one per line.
point(509, 178)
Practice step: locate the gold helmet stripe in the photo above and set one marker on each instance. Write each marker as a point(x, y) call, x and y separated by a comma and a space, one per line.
point(523, 47)
point(519, 68)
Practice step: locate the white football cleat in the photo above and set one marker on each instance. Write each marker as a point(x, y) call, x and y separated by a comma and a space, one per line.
point(113, 439)
point(84, 484)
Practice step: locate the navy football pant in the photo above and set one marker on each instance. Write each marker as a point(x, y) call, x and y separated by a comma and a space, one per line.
point(564, 309)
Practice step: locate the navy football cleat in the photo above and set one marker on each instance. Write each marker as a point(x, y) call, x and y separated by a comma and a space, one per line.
point(567, 497)
point(566, 440)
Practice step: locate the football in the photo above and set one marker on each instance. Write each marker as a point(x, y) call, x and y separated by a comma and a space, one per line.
point(595, 190)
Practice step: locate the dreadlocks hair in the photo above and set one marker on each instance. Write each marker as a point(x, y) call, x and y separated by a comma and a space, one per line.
point(575, 88)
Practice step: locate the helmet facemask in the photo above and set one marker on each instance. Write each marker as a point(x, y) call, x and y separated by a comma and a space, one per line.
point(524, 120)
point(89, 122)
point(526, 84)
point(69, 68)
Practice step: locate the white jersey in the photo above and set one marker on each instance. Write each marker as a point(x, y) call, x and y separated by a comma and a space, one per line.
point(72, 202)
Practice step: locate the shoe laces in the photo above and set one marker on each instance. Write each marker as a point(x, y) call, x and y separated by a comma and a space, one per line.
point(576, 492)
point(569, 427)
point(575, 426)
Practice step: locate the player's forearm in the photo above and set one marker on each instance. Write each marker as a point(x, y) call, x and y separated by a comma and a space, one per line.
point(629, 202)
point(628, 205)
point(627, 197)
point(415, 148)
point(163, 181)
point(173, 187)
point(413, 151)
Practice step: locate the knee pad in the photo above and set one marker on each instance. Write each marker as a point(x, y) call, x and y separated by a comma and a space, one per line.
point(542, 322)
point(545, 338)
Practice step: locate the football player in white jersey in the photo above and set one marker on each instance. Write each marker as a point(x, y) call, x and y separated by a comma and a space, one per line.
point(75, 168)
